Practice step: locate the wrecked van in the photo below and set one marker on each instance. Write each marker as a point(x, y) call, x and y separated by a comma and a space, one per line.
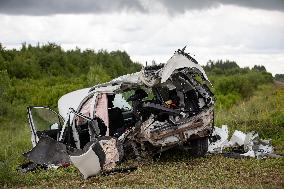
point(153, 110)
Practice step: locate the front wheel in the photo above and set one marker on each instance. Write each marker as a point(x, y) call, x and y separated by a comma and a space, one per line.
point(199, 147)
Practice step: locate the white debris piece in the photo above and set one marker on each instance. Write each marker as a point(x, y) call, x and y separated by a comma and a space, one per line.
point(253, 146)
point(249, 153)
point(87, 163)
point(217, 146)
point(237, 139)
point(94, 161)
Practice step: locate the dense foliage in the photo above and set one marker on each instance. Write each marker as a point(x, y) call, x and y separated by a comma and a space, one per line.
point(232, 83)
point(279, 77)
point(50, 60)
point(40, 75)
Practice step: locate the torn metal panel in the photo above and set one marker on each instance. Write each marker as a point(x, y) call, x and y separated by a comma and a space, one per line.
point(131, 79)
point(153, 75)
point(150, 75)
point(101, 155)
point(113, 151)
point(178, 61)
point(166, 133)
point(50, 152)
point(87, 163)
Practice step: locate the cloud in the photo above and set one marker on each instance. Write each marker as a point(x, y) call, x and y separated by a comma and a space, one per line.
point(183, 5)
point(249, 36)
point(49, 7)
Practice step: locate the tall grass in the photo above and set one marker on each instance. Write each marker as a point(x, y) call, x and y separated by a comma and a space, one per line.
point(263, 112)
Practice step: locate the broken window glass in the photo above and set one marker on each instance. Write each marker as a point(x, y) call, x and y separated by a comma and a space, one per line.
point(46, 122)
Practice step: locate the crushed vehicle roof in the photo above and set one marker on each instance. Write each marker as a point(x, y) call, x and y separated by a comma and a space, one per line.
point(149, 76)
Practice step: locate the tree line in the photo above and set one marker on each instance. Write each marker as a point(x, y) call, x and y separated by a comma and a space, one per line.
point(39, 75)
point(51, 60)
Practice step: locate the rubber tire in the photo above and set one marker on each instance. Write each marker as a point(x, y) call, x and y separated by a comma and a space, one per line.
point(199, 147)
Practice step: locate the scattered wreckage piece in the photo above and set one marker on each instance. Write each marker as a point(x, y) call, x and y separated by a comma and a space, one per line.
point(87, 163)
point(172, 105)
point(257, 147)
point(238, 138)
point(113, 151)
point(250, 143)
point(92, 161)
point(100, 155)
point(219, 139)
point(50, 152)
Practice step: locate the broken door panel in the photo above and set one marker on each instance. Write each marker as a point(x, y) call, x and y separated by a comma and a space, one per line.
point(44, 122)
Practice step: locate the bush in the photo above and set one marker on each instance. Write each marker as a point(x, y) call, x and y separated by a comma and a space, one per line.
point(230, 89)
point(4, 87)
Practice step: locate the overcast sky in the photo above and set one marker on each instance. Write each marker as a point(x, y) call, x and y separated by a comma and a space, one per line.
point(247, 31)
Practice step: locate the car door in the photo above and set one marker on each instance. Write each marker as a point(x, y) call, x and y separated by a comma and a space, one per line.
point(44, 121)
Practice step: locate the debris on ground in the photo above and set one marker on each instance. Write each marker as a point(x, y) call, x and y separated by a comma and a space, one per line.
point(249, 143)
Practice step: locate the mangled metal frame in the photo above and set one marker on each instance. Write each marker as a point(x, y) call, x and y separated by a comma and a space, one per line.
point(180, 126)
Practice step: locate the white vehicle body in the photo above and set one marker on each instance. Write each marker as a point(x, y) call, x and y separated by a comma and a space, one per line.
point(170, 107)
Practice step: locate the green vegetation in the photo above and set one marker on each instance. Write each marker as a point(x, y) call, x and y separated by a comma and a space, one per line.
point(247, 100)
point(232, 83)
point(279, 77)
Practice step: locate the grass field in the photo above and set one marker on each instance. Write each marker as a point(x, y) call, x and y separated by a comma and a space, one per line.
point(263, 112)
